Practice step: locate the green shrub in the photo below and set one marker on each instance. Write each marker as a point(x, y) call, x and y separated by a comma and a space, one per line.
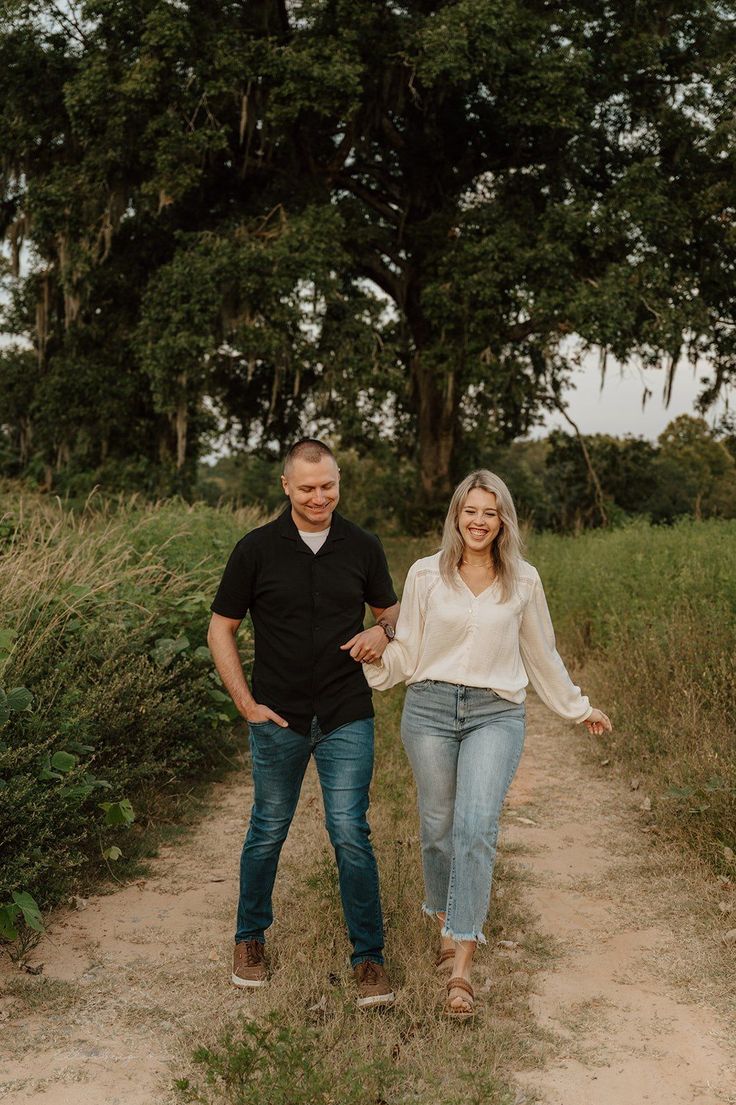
point(105, 618)
point(279, 1064)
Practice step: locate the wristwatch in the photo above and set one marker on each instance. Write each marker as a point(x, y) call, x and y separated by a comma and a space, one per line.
point(388, 629)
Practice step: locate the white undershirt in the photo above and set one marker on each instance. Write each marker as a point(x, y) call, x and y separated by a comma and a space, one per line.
point(314, 540)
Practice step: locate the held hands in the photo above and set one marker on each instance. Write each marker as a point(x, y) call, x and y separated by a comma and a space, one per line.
point(597, 723)
point(257, 713)
point(367, 647)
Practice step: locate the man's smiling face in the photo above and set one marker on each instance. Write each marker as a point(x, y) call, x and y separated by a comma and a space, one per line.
point(314, 492)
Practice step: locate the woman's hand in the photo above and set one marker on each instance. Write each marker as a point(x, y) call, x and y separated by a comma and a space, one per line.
point(368, 646)
point(597, 723)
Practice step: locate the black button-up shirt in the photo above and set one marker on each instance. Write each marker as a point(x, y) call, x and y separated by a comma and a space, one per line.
point(303, 607)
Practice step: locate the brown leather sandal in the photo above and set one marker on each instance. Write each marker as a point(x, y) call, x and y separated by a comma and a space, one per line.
point(444, 959)
point(457, 983)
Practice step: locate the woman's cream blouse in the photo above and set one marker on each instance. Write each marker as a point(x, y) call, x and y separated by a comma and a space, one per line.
point(449, 634)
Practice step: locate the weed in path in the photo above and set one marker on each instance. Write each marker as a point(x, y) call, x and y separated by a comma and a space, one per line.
point(281, 1064)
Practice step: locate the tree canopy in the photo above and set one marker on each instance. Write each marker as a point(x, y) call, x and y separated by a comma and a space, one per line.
point(384, 220)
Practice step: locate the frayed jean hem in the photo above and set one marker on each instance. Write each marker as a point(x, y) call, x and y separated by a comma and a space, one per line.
point(430, 912)
point(478, 937)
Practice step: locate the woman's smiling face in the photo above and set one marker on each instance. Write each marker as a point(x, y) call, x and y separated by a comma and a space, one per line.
point(479, 521)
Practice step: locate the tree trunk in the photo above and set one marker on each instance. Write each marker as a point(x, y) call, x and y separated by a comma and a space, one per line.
point(25, 437)
point(181, 423)
point(181, 434)
point(63, 455)
point(435, 396)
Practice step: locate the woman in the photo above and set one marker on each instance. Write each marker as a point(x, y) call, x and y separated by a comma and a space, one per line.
point(474, 628)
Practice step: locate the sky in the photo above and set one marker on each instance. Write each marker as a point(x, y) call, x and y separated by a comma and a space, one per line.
point(617, 408)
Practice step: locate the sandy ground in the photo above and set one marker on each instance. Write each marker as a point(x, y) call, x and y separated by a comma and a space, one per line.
point(642, 996)
point(636, 1006)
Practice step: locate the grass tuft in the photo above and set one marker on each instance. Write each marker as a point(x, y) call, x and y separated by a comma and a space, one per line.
point(647, 616)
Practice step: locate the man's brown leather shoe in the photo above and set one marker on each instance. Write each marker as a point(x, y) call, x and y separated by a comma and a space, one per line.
point(249, 964)
point(374, 987)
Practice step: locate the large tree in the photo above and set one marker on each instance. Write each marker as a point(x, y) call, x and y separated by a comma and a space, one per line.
point(502, 174)
point(511, 173)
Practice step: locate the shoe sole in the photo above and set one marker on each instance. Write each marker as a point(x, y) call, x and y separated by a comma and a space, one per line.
point(248, 983)
point(376, 999)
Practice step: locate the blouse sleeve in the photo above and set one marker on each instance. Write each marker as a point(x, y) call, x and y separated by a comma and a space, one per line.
point(543, 662)
point(401, 656)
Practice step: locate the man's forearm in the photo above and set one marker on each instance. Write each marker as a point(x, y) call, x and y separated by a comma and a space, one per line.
point(390, 615)
point(225, 653)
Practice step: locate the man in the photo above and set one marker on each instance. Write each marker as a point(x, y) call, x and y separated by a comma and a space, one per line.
point(305, 578)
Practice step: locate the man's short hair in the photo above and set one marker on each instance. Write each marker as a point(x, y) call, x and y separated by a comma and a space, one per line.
point(309, 449)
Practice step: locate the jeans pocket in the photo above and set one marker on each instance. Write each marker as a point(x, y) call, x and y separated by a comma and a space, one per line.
point(259, 727)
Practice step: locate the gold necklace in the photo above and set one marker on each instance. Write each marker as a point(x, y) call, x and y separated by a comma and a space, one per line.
point(469, 564)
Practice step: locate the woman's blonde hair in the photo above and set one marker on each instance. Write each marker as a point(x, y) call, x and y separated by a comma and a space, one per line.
point(507, 547)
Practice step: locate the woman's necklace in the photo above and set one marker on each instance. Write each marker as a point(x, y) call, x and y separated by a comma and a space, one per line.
point(477, 566)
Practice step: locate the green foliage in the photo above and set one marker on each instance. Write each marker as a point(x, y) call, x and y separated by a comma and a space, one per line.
point(690, 471)
point(278, 1063)
point(649, 613)
point(118, 813)
point(22, 906)
point(13, 701)
point(112, 708)
point(380, 219)
point(375, 489)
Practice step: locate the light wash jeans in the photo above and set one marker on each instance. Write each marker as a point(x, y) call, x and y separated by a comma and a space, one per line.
point(464, 745)
point(344, 760)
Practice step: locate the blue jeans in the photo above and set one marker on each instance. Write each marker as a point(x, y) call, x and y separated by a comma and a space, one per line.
point(344, 760)
point(464, 745)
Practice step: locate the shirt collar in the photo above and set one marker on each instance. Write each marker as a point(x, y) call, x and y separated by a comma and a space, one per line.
point(287, 529)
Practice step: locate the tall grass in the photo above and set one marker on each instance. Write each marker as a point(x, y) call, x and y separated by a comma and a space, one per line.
point(648, 614)
point(104, 615)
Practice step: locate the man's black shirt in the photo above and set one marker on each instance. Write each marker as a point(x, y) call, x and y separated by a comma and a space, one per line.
point(303, 607)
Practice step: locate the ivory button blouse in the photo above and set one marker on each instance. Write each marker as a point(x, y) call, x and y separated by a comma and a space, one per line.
point(449, 634)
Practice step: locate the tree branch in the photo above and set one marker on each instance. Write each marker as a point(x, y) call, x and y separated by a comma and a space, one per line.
point(68, 20)
point(599, 501)
point(343, 150)
point(390, 186)
point(368, 197)
point(393, 135)
point(371, 267)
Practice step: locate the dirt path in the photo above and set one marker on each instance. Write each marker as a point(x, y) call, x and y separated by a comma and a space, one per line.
point(635, 1006)
point(640, 999)
point(135, 977)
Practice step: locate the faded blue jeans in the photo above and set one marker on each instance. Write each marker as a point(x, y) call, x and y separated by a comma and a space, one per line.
point(464, 745)
point(344, 760)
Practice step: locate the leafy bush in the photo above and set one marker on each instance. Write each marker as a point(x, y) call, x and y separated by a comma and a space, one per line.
point(113, 698)
point(282, 1065)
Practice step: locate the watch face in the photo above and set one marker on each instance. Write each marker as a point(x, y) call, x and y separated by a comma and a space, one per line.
point(388, 630)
